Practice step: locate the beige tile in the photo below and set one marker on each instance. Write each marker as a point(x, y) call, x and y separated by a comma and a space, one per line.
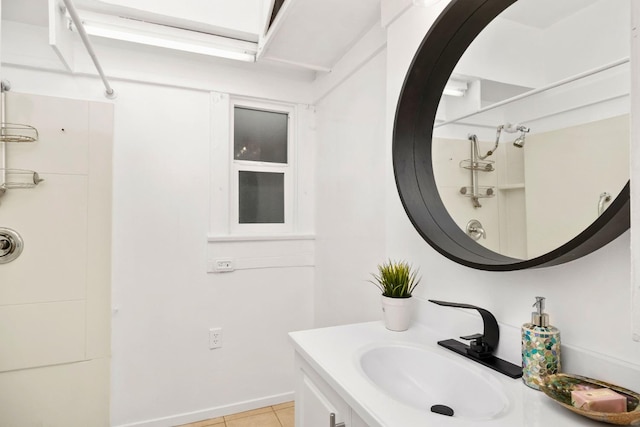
point(57, 151)
point(69, 395)
point(41, 334)
point(206, 423)
point(245, 414)
point(283, 406)
point(286, 416)
point(52, 221)
point(267, 419)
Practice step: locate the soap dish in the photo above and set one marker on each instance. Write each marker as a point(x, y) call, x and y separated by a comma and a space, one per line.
point(559, 386)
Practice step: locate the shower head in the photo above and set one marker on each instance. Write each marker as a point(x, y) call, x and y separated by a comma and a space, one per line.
point(519, 142)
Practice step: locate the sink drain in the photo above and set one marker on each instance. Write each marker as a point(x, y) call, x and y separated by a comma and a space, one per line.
point(442, 410)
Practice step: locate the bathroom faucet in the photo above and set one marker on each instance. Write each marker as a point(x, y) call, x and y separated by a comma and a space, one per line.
point(482, 345)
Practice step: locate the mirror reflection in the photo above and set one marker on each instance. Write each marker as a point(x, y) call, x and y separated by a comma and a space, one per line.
point(531, 141)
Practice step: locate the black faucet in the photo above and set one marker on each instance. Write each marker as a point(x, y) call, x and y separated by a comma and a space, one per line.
point(482, 345)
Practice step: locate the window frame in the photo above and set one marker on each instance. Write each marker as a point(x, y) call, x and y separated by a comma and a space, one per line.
point(288, 169)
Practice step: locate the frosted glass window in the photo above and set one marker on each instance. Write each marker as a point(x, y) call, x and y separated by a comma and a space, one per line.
point(260, 136)
point(261, 198)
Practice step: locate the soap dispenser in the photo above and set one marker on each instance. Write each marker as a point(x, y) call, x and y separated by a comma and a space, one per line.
point(540, 347)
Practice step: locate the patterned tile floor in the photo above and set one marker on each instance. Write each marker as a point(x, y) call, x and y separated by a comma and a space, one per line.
point(281, 415)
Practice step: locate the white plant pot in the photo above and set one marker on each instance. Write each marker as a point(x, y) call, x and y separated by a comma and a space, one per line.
point(397, 313)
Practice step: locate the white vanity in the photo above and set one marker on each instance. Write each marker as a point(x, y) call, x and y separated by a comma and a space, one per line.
point(332, 378)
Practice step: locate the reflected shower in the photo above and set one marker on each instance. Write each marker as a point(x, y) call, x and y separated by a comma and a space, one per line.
point(478, 162)
point(519, 142)
point(509, 128)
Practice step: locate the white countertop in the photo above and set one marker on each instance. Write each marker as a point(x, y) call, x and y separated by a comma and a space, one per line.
point(334, 353)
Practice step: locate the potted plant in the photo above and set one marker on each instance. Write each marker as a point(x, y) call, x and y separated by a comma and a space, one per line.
point(396, 280)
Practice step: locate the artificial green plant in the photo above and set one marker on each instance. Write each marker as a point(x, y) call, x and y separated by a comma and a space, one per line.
point(396, 279)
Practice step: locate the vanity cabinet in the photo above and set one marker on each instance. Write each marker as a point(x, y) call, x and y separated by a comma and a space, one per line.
point(316, 401)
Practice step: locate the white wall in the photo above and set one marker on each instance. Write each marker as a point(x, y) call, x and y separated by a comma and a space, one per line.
point(588, 299)
point(350, 196)
point(164, 301)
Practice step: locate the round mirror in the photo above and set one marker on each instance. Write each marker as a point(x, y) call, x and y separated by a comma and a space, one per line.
point(512, 131)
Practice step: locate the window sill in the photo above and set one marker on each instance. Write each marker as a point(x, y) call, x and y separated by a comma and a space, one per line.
point(259, 238)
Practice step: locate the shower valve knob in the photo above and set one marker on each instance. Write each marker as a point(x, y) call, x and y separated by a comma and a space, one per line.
point(5, 244)
point(475, 230)
point(11, 245)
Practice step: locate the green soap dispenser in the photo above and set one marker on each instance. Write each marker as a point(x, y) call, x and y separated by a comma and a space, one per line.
point(540, 347)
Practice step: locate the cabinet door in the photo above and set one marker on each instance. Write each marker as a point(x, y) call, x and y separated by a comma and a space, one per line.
point(316, 400)
point(315, 407)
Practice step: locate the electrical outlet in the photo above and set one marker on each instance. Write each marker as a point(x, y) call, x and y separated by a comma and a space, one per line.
point(221, 266)
point(215, 338)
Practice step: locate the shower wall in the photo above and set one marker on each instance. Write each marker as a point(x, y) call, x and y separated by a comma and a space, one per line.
point(579, 163)
point(55, 298)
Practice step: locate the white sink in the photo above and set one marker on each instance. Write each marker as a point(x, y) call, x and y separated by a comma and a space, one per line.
point(421, 378)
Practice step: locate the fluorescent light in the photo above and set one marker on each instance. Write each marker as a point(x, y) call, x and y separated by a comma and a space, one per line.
point(168, 37)
point(455, 88)
point(452, 92)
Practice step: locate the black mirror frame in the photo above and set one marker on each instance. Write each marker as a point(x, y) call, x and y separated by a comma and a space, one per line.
point(448, 38)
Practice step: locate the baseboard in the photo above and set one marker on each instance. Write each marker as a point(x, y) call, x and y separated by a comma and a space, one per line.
point(218, 411)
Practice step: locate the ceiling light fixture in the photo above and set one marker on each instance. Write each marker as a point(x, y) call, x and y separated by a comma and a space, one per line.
point(455, 88)
point(452, 92)
point(167, 37)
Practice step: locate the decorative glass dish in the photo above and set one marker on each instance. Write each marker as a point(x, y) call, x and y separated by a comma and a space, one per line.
point(559, 386)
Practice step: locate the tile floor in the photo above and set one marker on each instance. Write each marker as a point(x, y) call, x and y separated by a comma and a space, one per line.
point(281, 415)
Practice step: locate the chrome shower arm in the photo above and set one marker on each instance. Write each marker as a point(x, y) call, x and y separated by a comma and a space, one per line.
point(495, 147)
point(475, 148)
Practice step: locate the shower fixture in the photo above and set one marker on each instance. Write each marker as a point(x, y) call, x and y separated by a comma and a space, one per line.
point(604, 198)
point(519, 142)
point(11, 245)
point(509, 128)
point(475, 164)
point(12, 132)
point(514, 128)
point(478, 163)
point(475, 230)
